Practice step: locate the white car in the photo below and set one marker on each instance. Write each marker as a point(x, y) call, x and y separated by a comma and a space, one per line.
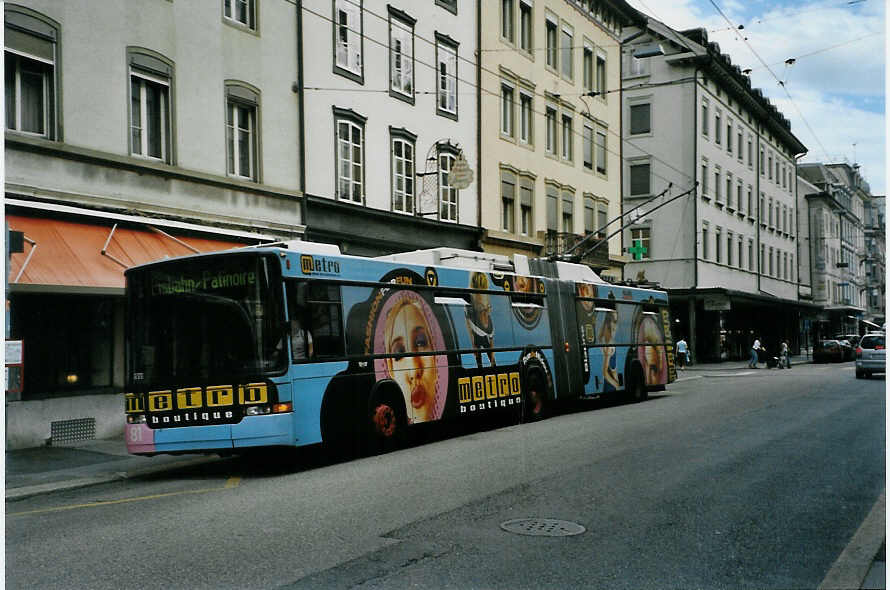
point(871, 355)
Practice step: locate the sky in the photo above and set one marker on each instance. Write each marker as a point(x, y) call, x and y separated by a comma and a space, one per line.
point(834, 92)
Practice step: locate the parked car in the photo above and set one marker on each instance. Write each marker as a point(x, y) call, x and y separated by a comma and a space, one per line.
point(853, 339)
point(828, 351)
point(847, 350)
point(871, 356)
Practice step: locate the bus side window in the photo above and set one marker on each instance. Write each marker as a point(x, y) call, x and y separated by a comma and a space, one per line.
point(299, 329)
point(326, 323)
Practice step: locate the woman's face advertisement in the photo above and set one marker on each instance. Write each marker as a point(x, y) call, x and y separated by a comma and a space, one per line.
point(652, 357)
point(408, 326)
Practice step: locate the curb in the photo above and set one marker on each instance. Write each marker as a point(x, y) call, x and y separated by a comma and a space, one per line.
point(854, 562)
point(24, 492)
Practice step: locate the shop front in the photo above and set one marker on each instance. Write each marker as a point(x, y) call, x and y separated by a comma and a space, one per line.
point(65, 311)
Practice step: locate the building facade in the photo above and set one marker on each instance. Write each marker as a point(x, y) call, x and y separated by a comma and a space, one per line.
point(875, 260)
point(550, 127)
point(837, 247)
point(726, 246)
point(132, 133)
point(388, 92)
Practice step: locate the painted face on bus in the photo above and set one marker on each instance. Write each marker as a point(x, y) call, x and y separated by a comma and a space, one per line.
point(652, 358)
point(610, 324)
point(407, 331)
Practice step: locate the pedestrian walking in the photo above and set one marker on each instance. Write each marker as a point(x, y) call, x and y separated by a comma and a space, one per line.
point(682, 353)
point(784, 356)
point(755, 350)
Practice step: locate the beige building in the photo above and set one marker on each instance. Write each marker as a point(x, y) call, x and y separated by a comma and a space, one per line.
point(550, 126)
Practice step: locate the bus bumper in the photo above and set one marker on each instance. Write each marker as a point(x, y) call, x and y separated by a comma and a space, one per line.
point(264, 431)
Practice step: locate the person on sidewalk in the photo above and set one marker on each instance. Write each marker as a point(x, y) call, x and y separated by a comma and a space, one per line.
point(682, 351)
point(755, 349)
point(784, 358)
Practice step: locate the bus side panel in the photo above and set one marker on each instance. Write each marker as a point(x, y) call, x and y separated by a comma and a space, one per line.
point(193, 438)
point(308, 392)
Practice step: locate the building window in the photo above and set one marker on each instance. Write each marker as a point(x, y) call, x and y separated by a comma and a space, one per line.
point(640, 118)
point(738, 196)
point(350, 165)
point(728, 136)
point(30, 72)
point(552, 197)
point(601, 75)
point(446, 57)
point(526, 200)
point(508, 201)
point(751, 255)
point(740, 142)
point(568, 208)
point(551, 40)
point(718, 240)
point(526, 109)
point(761, 162)
point(525, 26)
point(717, 130)
point(550, 122)
point(589, 215)
point(507, 21)
point(242, 142)
point(401, 54)
point(770, 213)
point(641, 248)
point(704, 118)
point(403, 160)
point(150, 79)
point(601, 152)
point(449, 5)
point(447, 193)
point(639, 179)
point(602, 219)
point(717, 196)
point(506, 110)
point(566, 42)
point(750, 152)
point(750, 201)
point(587, 68)
point(741, 249)
point(567, 138)
point(729, 190)
point(348, 39)
point(769, 166)
point(704, 242)
point(241, 11)
point(587, 139)
point(729, 245)
point(704, 179)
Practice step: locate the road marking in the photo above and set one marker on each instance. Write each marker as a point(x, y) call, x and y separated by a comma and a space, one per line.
point(232, 482)
point(123, 500)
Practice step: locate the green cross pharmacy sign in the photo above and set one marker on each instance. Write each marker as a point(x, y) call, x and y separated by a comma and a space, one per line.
point(637, 250)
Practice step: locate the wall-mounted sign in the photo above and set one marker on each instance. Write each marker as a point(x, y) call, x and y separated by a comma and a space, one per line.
point(716, 303)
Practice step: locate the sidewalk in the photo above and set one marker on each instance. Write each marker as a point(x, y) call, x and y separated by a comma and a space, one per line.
point(743, 365)
point(41, 470)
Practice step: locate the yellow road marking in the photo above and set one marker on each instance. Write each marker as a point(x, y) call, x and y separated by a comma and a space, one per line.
point(233, 482)
point(124, 500)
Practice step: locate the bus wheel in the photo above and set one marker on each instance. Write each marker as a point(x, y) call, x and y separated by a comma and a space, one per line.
point(534, 401)
point(386, 425)
point(636, 389)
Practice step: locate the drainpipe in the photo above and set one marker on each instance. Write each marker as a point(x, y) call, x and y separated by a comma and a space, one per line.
point(643, 30)
point(479, 121)
point(301, 101)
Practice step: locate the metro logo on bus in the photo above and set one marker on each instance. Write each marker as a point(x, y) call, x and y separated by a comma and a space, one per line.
point(194, 406)
point(318, 265)
point(482, 392)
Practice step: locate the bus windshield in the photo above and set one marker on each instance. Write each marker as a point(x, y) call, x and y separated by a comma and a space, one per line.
point(206, 319)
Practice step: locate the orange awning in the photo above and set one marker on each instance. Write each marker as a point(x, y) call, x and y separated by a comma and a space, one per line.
point(69, 253)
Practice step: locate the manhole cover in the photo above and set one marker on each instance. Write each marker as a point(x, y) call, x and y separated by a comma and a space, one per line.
point(542, 527)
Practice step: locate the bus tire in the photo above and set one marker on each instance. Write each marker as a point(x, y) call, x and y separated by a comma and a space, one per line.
point(534, 398)
point(386, 420)
point(636, 385)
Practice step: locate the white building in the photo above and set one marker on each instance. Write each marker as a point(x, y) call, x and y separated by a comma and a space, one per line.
point(727, 251)
point(388, 91)
point(134, 131)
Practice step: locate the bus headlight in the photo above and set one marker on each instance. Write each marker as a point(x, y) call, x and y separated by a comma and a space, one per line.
point(136, 419)
point(281, 408)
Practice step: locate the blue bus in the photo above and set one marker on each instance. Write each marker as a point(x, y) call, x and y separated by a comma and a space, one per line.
point(295, 344)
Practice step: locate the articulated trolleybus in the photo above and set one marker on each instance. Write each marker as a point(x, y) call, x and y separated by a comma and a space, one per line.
point(294, 344)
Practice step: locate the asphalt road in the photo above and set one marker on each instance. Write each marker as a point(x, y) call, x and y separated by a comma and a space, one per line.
point(755, 480)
